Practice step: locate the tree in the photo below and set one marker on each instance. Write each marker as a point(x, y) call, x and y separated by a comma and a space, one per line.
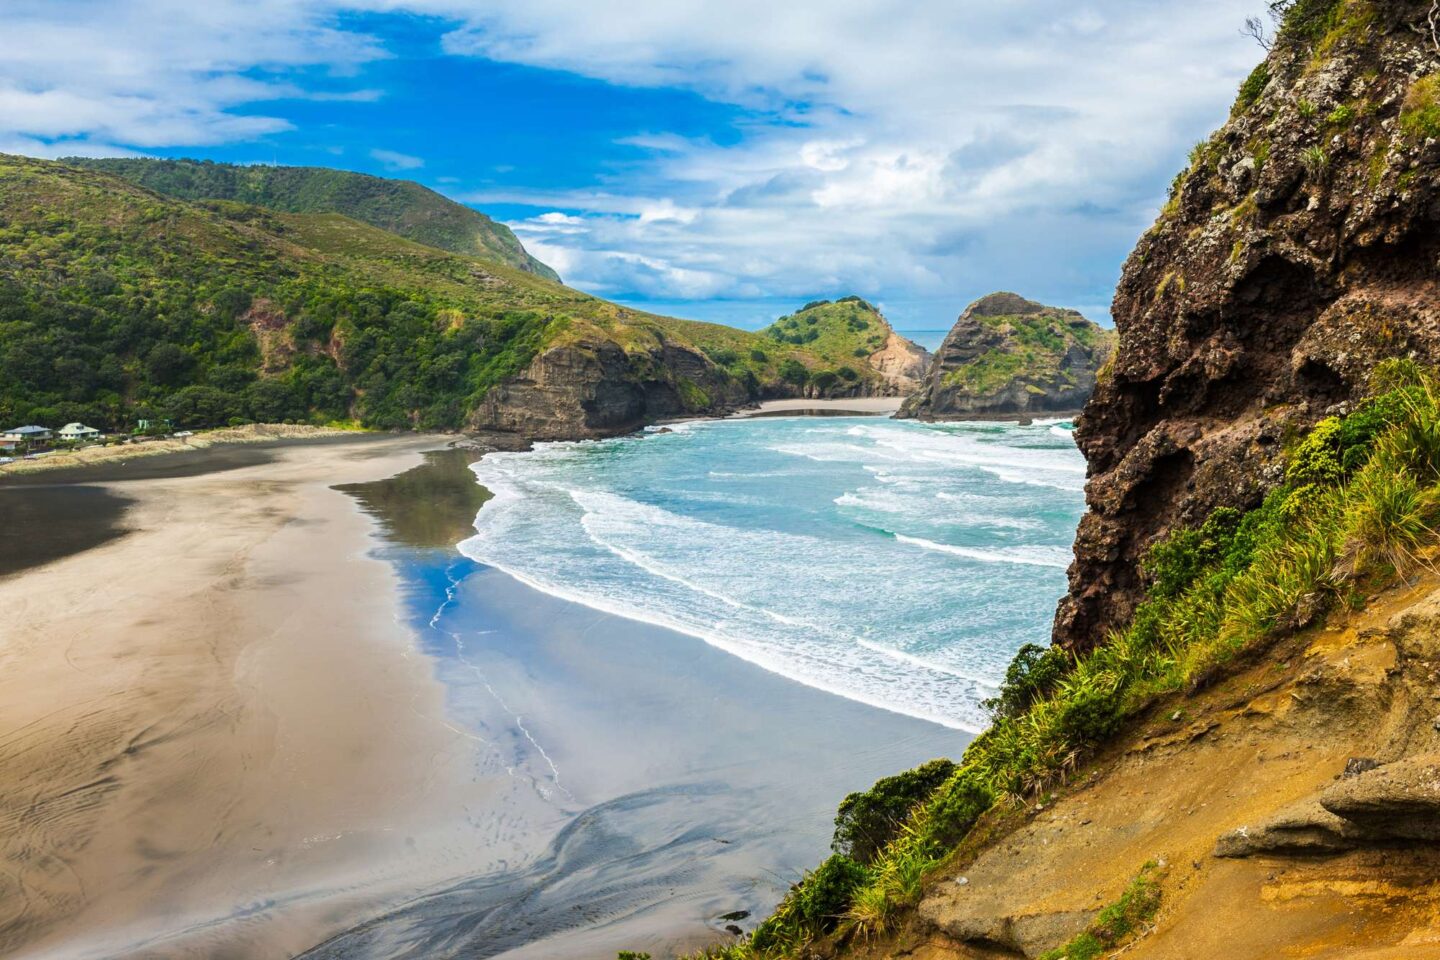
point(793, 371)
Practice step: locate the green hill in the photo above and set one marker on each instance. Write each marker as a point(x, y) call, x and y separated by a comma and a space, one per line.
point(117, 302)
point(851, 335)
point(399, 206)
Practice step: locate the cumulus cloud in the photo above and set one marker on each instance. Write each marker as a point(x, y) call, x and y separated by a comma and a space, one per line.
point(925, 150)
point(917, 150)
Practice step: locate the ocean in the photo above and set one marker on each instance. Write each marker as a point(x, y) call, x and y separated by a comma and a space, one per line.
point(894, 563)
point(673, 654)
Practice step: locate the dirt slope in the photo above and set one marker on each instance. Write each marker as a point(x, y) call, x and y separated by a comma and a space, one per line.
point(1220, 790)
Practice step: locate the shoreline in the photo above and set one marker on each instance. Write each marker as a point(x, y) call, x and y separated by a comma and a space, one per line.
point(59, 463)
point(274, 736)
point(208, 750)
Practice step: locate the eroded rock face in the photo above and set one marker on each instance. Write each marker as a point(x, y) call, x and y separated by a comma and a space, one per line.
point(1300, 248)
point(597, 389)
point(1010, 356)
point(903, 364)
point(1399, 801)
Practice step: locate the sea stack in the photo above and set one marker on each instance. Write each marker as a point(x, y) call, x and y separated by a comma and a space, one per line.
point(1008, 356)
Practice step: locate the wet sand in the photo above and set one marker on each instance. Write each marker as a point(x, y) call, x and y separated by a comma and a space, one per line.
point(215, 739)
point(657, 783)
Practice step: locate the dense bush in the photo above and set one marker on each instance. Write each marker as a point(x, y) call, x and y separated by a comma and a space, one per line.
point(1031, 675)
point(112, 342)
point(815, 906)
point(868, 820)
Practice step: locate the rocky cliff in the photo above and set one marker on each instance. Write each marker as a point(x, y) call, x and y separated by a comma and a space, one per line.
point(1299, 247)
point(594, 387)
point(1008, 356)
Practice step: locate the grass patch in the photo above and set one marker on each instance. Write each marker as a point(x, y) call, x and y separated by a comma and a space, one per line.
point(1420, 116)
point(1253, 86)
point(1119, 921)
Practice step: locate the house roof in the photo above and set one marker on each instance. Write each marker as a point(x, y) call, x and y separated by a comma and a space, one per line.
point(77, 428)
point(23, 431)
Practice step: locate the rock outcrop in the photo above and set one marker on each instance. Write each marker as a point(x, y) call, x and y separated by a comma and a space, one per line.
point(1298, 249)
point(1008, 356)
point(901, 363)
point(595, 388)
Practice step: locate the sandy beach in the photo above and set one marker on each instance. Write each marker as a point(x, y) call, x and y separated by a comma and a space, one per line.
point(270, 710)
point(834, 408)
point(197, 738)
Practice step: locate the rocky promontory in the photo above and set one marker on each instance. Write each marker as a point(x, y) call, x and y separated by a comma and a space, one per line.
point(1296, 250)
point(1010, 356)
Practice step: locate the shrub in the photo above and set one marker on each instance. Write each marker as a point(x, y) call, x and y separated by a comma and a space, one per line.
point(1317, 458)
point(869, 820)
point(1254, 85)
point(814, 907)
point(793, 371)
point(1031, 675)
point(758, 355)
point(1305, 21)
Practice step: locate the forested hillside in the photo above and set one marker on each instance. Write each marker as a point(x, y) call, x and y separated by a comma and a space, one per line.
point(399, 206)
point(118, 303)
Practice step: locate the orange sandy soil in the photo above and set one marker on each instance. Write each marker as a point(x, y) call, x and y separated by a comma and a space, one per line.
point(1270, 736)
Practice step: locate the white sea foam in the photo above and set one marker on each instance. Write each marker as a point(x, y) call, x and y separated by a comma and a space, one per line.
point(1027, 556)
point(791, 576)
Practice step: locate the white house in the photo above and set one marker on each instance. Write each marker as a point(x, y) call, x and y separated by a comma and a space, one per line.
point(26, 434)
point(78, 431)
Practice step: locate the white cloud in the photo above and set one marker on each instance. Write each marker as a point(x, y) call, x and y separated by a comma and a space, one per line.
point(936, 149)
point(392, 160)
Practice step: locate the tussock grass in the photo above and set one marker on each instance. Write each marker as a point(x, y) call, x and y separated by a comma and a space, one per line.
point(1360, 503)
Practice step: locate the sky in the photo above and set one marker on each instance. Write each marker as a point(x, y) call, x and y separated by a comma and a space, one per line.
point(724, 161)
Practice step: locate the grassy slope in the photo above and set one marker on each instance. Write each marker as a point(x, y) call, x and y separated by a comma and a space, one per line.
point(841, 333)
point(399, 206)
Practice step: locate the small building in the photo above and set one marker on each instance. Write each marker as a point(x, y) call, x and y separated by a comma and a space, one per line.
point(26, 434)
point(78, 431)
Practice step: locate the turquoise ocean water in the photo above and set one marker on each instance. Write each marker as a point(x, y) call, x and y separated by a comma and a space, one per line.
point(894, 563)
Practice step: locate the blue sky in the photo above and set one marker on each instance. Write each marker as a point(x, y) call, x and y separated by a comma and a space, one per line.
point(719, 161)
